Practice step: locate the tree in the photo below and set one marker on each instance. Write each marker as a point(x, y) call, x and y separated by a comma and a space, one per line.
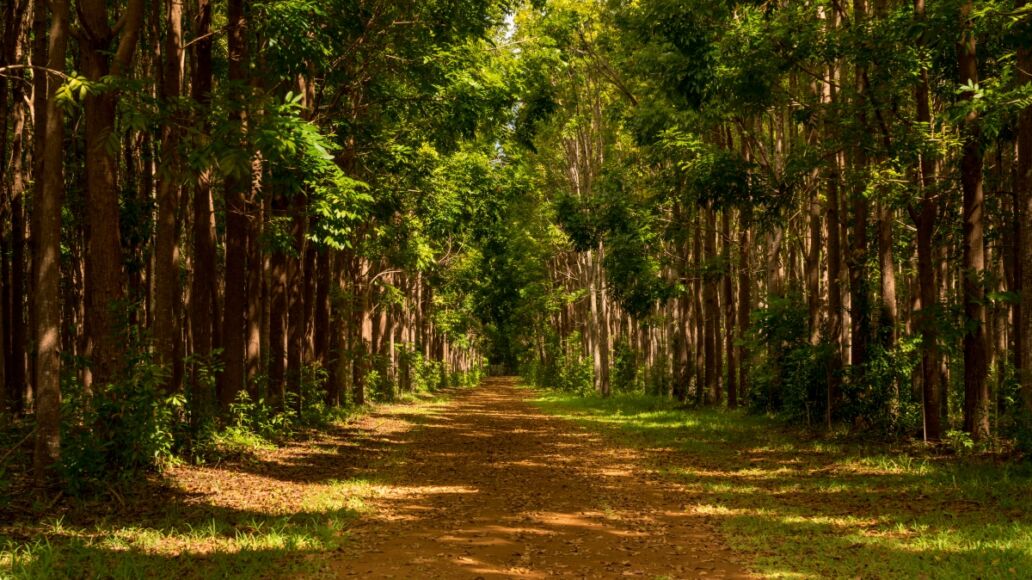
point(48, 258)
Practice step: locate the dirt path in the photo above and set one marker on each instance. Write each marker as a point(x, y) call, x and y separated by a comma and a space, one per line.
point(491, 487)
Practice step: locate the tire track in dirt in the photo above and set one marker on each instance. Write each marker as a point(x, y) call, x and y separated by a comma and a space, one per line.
point(491, 487)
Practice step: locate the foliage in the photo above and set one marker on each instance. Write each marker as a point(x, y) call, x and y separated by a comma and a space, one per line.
point(115, 432)
point(625, 368)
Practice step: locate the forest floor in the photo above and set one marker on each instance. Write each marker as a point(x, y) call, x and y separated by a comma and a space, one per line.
point(506, 481)
point(491, 487)
point(478, 483)
point(794, 505)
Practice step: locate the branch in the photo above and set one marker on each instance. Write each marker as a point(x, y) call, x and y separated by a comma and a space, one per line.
point(51, 71)
point(17, 445)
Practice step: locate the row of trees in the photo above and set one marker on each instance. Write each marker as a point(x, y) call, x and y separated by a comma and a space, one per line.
point(821, 208)
point(207, 198)
point(816, 208)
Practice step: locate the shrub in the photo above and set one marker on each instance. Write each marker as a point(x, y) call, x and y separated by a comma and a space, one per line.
point(113, 432)
point(625, 367)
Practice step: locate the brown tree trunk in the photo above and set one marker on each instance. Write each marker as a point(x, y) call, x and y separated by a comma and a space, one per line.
point(888, 309)
point(105, 291)
point(16, 370)
point(278, 309)
point(48, 260)
point(925, 217)
point(166, 245)
point(859, 297)
point(308, 299)
point(813, 273)
point(255, 286)
point(40, 91)
point(236, 185)
point(322, 314)
point(697, 303)
point(744, 301)
point(835, 306)
point(729, 311)
point(1023, 262)
point(203, 292)
point(976, 385)
point(295, 296)
point(710, 311)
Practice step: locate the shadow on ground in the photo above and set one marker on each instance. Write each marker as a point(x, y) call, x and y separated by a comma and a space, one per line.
point(800, 508)
point(284, 513)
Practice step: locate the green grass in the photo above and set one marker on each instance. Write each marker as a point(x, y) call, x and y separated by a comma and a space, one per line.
point(799, 508)
point(206, 543)
point(298, 533)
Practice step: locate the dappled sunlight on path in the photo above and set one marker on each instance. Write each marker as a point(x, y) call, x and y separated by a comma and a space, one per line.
point(489, 486)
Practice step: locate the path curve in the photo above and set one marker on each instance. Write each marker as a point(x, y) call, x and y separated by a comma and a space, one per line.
point(491, 487)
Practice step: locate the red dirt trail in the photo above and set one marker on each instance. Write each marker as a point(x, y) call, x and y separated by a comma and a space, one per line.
point(491, 487)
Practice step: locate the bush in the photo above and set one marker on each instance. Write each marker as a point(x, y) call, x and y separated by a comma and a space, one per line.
point(116, 431)
point(881, 401)
point(660, 377)
point(792, 377)
point(625, 367)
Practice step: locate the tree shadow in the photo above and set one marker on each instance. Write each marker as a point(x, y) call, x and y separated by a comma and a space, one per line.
point(284, 513)
point(830, 509)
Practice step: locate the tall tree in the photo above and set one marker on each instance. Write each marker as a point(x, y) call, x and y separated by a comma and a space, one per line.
point(236, 185)
point(1024, 221)
point(47, 295)
point(166, 245)
point(105, 292)
point(976, 384)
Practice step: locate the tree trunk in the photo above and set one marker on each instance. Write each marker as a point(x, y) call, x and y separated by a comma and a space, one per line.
point(976, 385)
point(16, 370)
point(322, 308)
point(105, 292)
point(710, 310)
point(255, 286)
point(729, 312)
point(278, 309)
point(295, 296)
point(236, 185)
point(48, 260)
point(166, 244)
point(1024, 236)
point(744, 301)
point(925, 218)
point(203, 292)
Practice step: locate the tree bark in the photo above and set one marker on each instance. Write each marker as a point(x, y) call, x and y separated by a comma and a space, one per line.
point(16, 370)
point(236, 186)
point(729, 311)
point(204, 291)
point(744, 301)
point(48, 260)
point(925, 216)
point(105, 290)
point(976, 386)
point(255, 286)
point(295, 296)
point(166, 245)
point(710, 310)
point(1024, 235)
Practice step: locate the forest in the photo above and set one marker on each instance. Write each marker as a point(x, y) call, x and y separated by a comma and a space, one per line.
point(298, 256)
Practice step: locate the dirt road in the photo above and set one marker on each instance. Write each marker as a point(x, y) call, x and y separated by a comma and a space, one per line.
point(491, 487)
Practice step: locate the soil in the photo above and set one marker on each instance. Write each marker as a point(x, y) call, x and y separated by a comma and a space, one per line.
point(491, 487)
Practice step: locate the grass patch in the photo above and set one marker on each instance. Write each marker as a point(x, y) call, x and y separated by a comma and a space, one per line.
point(264, 511)
point(207, 543)
point(817, 508)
